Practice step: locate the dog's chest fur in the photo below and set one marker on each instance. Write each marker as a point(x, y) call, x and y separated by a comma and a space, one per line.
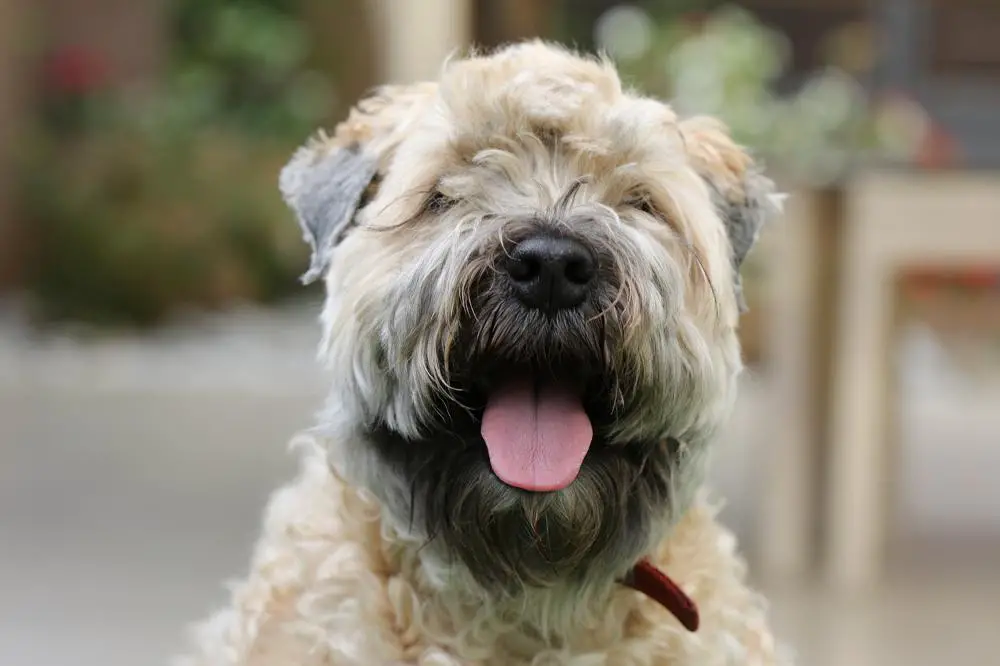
point(329, 589)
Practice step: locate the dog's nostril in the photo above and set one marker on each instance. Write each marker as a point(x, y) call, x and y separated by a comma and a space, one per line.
point(550, 272)
point(580, 271)
point(523, 269)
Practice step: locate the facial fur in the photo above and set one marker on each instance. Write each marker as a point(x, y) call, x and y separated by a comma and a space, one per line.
point(415, 207)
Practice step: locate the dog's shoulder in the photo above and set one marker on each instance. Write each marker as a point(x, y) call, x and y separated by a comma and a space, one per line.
point(313, 589)
point(701, 555)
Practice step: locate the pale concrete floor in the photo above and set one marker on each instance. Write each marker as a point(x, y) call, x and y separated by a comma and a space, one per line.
point(134, 472)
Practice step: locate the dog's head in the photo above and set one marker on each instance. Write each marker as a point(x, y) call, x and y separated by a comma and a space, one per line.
point(532, 294)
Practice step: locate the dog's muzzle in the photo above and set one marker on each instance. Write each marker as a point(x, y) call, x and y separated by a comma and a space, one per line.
point(535, 425)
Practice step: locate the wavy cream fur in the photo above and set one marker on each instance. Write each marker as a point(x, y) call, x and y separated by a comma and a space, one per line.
point(339, 577)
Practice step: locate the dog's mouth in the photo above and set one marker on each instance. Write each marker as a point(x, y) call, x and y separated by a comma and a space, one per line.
point(537, 432)
point(538, 422)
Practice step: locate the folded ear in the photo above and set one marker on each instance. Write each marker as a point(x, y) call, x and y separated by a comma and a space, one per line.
point(331, 178)
point(744, 196)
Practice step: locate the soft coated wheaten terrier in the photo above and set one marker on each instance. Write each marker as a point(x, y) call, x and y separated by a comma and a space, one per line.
point(530, 327)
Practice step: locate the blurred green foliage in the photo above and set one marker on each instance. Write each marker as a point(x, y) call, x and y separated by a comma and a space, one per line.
point(727, 64)
point(245, 63)
point(131, 227)
point(140, 204)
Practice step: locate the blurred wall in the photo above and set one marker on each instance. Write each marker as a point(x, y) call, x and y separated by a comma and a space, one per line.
point(496, 22)
point(346, 44)
point(13, 18)
point(130, 35)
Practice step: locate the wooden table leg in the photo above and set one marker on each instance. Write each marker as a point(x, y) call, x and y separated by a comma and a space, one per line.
point(801, 254)
point(417, 36)
point(856, 465)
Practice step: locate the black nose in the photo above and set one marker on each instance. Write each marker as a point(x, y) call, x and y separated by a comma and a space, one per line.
point(551, 273)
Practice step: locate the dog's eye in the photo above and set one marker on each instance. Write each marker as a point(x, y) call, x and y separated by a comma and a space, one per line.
point(438, 202)
point(370, 191)
point(641, 202)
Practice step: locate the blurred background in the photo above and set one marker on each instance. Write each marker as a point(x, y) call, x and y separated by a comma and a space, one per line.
point(156, 349)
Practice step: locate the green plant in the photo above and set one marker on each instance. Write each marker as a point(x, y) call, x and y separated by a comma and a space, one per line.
point(140, 205)
point(244, 63)
point(130, 228)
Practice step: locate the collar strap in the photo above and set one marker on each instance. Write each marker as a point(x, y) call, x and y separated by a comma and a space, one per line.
point(647, 579)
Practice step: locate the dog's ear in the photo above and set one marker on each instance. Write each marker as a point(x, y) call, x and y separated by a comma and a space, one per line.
point(324, 185)
point(331, 178)
point(744, 196)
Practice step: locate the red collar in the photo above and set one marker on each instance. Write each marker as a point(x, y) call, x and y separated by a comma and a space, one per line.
point(646, 578)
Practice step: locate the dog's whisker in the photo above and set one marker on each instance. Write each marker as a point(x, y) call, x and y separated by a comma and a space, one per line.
point(696, 257)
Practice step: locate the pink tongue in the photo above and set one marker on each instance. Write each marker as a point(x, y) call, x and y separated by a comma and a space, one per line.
point(537, 436)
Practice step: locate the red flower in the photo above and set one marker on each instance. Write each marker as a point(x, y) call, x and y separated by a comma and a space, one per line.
point(76, 71)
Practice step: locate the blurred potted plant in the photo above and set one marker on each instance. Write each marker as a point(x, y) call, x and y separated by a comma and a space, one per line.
point(145, 203)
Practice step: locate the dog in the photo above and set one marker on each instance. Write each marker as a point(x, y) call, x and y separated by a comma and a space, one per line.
point(530, 328)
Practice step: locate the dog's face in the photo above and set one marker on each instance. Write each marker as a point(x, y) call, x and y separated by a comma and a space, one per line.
point(532, 283)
